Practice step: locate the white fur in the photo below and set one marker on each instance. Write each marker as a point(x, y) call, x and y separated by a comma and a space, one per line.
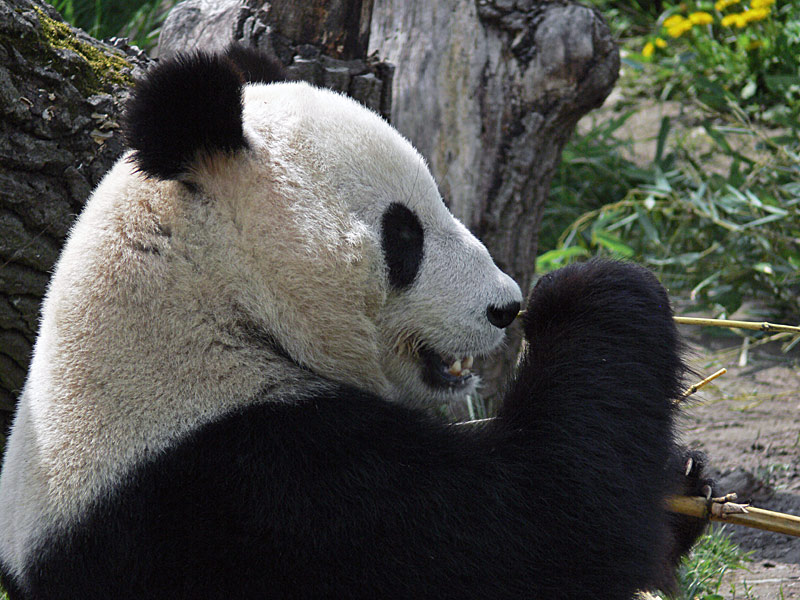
point(144, 332)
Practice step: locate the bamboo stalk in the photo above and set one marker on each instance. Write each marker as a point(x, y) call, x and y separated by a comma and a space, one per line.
point(705, 381)
point(753, 325)
point(748, 516)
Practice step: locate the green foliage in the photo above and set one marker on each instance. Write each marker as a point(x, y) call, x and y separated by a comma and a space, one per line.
point(700, 574)
point(592, 172)
point(138, 20)
point(723, 238)
point(628, 17)
point(734, 51)
point(718, 220)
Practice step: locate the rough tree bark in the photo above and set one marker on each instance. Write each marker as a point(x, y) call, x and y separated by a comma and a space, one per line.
point(321, 41)
point(60, 95)
point(489, 91)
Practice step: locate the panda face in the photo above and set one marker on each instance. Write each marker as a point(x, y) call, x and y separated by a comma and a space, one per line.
point(437, 298)
point(441, 310)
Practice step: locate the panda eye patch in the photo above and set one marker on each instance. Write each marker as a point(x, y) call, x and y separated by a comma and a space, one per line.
point(402, 240)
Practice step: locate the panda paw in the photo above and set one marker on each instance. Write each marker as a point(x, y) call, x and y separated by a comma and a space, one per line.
point(687, 469)
point(692, 481)
point(599, 291)
point(606, 317)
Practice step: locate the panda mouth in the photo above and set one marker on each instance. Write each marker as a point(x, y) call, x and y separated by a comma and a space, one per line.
point(441, 372)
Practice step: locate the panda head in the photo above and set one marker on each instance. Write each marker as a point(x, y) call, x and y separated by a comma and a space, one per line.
point(321, 226)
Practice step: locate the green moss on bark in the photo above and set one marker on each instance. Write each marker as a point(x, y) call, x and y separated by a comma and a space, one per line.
point(95, 72)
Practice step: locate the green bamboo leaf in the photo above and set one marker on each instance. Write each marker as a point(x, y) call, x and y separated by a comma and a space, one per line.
point(764, 268)
point(661, 141)
point(553, 259)
point(781, 83)
point(762, 221)
point(703, 284)
point(718, 138)
point(611, 243)
point(647, 225)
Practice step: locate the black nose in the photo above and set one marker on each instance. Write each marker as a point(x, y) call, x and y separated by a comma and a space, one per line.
point(501, 316)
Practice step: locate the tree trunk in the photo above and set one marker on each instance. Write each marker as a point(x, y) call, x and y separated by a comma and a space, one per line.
point(320, 41)
point(61, 93)
point(489, 91)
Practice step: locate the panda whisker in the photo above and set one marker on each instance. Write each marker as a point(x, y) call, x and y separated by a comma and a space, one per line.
point(406, 343)
point(416, 178)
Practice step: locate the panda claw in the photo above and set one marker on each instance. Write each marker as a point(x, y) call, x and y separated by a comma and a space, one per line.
point(707, 492)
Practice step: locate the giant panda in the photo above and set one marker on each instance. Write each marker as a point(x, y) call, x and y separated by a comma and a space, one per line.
point(230, 393)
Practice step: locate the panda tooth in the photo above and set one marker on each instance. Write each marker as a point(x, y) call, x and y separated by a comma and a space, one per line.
point(455, 368)
point(467, 362)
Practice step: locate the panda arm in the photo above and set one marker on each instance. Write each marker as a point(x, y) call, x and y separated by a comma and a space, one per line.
point(593, 402)
point(337, 495)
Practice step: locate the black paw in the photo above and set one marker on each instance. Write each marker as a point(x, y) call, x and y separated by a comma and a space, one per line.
point(687, 471)
point(613, 315)
point(612, 291)
point(693, 481)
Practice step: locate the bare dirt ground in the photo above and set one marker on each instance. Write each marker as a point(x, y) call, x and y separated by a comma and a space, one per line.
point(748, 423)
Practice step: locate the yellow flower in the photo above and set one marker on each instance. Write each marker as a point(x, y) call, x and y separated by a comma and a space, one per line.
point(757, 14)
point(660, 43)
point(679, 29)
point(701, 18)
point(723, 4)
point(755, 45)
point(648, 49)
point(735, 19)
point(673, 20)
point(761, 3)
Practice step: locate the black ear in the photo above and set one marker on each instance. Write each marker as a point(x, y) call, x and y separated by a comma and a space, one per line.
point(184, 106)
point(256, 65)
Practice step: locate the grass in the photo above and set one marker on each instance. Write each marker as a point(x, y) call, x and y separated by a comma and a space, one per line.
point(701, 573)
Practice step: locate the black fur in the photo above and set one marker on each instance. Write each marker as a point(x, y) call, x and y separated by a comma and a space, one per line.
point(186, 106)
point(345, 495)
point(685, 530)
point(403, 241)
point(256, 66)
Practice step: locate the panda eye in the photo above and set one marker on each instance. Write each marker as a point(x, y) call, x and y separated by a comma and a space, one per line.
point(402, 241)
